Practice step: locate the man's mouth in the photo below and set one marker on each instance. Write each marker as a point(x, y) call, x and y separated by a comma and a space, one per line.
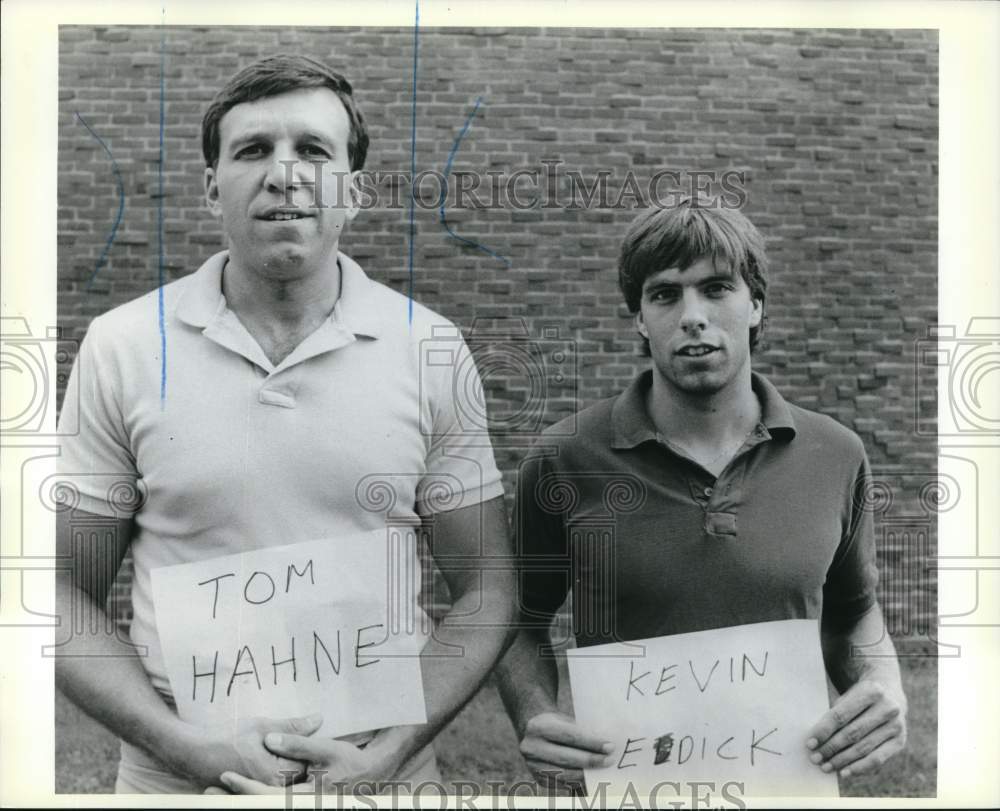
point(696, 350)
point(282, 216)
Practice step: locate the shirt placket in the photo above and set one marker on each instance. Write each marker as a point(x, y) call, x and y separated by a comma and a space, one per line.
point(280, 387)
point(277, 385)
point(720, 498)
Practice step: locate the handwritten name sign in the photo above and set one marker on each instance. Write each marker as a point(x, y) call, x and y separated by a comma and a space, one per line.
point(733, 704)
point(292, 630)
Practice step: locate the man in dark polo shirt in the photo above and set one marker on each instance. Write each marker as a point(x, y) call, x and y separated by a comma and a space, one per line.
point(698, 499)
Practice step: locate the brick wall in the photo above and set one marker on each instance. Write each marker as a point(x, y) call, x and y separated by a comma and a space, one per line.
point(834, 132)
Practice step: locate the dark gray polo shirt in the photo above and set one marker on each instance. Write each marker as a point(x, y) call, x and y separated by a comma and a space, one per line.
point(653, 544)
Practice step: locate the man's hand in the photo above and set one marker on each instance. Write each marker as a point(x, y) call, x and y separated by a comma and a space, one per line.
point(217, 751)
point(863, 729)
point(337, 766)
point(557, 750)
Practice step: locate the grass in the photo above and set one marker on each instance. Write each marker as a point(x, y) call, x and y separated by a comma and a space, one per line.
point(480, 745)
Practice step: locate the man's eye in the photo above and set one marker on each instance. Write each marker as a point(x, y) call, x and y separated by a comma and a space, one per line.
point(662, 295)
point(312, 149)
point(254, 151)
point(718, 289)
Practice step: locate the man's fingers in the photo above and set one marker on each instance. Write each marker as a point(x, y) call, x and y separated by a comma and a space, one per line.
point(874, 759)
point(850, 735)
point(290, 771)
point(215, 790)
point(302, 725)
point(885, 735)
point(848, 707)
point(545, 753)
point(300, 747)
point(564, 730)
point(557, 751)
point(238, 784)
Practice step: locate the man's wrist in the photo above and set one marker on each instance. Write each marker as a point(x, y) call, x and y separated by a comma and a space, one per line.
point(391, 748)
point(182, 750)
point(538, 703)
point(883, 674)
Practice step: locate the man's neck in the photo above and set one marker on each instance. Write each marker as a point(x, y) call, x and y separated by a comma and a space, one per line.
point(704, 424)
point(280, 313)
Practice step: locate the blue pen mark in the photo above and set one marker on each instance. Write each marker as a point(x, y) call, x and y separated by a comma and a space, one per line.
point(159, 220)
point(413, 153)
point(121, 201)
point(444, 195)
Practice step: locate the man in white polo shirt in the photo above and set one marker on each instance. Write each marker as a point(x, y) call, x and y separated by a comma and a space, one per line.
point(276, 396)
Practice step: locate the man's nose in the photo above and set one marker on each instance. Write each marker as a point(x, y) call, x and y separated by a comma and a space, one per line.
point(693, 316)
point(285, 172)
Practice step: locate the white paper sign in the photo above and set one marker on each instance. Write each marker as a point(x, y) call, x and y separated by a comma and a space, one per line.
point(312, 627)
point(732, 704)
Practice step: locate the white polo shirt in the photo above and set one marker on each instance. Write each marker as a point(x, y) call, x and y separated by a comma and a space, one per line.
point(373, 418)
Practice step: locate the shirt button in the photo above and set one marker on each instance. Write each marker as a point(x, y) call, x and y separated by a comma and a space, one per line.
point(708, 492)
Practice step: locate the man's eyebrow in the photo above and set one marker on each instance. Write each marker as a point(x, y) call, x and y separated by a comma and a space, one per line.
point(719, 277)
point(248, 137)
point(309, 135)
point(658, 284)
point(662, 284)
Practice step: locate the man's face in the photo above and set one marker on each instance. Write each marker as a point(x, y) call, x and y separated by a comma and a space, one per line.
point(283, 185)
point(698, 324)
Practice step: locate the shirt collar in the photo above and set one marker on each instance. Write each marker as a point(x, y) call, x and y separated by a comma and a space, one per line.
point(356, 308)
point(774, 411)
point(358, 305)
point(631, 424)
point(202, 300)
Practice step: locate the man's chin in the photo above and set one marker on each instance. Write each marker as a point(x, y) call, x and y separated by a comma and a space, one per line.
point(286, 261)
point(701, 383)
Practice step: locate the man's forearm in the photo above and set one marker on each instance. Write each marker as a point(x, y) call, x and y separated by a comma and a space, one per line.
point(455, 662)
point(105, 677)
point(863, 651)
point(528, 681)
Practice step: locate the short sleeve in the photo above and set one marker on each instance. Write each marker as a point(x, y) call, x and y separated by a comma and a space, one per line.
point(96, 464)
point(852, 579)
point(460, 467)
point(543, 560)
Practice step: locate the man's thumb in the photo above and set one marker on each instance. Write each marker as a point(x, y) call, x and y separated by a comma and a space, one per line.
point(303, 725)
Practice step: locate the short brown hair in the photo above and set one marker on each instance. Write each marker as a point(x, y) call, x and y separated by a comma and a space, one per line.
point(273, 76)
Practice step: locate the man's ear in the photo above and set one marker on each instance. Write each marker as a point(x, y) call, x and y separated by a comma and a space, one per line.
point(758, 312)
point(640, 325)
point(353, 196)
point(212, 192)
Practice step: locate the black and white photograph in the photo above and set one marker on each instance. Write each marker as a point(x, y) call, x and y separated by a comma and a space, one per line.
point(453, 407)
